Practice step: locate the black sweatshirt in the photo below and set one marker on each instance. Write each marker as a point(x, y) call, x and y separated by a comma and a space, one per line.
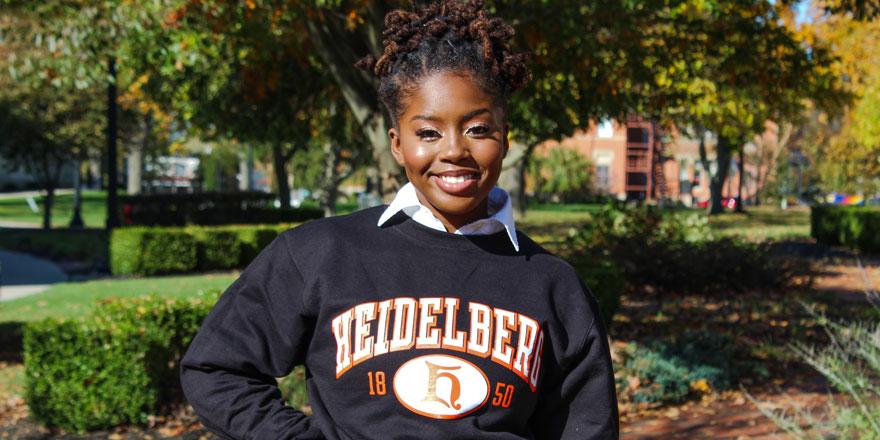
point(405, 332)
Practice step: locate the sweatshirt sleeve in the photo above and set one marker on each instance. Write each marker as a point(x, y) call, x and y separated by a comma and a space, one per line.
point(579, 399)
point(257, 331)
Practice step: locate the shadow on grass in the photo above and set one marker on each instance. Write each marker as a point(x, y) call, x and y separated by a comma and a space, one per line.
point(10, 341)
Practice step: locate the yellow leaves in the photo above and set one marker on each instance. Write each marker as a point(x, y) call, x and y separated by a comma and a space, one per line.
point(177, 147)
point(780, 323)
point(701, 386)
point(660, 79)
point(250, 4)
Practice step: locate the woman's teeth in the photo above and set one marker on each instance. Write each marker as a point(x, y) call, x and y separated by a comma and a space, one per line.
point(457, 179)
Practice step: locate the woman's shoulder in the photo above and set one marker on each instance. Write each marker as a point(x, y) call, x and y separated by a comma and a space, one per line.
point(530, 248)
point(356, 222)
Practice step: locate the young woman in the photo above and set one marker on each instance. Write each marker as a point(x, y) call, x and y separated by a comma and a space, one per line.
point(432, 317)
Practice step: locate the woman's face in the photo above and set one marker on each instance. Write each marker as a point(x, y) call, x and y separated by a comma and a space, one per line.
point(451, 140)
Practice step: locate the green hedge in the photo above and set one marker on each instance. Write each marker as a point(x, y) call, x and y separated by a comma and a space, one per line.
point(163, 250)
point(113, 367)
point(208, 208)
point(852, 226)
point(58, 244)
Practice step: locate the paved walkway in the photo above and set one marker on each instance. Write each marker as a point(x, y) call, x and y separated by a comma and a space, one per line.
point(22, 275)
point(23, 194)
point(19, 225)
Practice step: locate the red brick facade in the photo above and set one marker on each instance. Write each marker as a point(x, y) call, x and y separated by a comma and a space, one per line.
point(626, 159)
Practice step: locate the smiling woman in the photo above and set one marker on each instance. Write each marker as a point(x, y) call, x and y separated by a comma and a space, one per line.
point(432, 317)
point(451, 142)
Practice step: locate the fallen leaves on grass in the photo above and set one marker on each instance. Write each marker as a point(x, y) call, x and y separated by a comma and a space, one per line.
point(12, 410)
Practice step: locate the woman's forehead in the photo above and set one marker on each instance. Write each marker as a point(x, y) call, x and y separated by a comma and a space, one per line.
point(449, 94)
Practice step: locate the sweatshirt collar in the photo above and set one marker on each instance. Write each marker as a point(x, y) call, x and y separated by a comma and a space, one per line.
point(500, 214)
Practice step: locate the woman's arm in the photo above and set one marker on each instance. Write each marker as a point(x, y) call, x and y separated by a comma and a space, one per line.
point(258, 330)
point(578, 396)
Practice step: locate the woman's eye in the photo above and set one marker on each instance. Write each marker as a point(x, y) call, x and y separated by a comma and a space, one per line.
point(428, 134)
point(478, 130)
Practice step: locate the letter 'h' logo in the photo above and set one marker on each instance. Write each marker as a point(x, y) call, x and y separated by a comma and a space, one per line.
point(435, 372)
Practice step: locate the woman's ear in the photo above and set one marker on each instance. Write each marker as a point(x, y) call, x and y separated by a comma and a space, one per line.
point(396, 151)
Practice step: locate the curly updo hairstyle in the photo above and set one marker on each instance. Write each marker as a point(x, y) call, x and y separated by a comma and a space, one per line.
point(452, 36)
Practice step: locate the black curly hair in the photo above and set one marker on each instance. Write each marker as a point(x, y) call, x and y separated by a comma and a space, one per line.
point(449, 35)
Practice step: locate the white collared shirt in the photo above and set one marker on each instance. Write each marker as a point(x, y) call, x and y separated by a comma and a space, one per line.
point(500, 214)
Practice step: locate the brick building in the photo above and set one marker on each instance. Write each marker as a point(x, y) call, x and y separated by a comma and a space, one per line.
point(635, 160)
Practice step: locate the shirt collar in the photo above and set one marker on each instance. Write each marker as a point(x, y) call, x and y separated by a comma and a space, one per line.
point(500, 214)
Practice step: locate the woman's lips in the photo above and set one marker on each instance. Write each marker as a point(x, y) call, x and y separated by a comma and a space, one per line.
point(456, 184)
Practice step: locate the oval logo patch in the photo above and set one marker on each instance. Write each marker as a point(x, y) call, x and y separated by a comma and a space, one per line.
point(441, 386)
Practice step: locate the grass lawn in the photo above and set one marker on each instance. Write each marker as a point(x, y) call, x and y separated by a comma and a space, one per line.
point(11, 380)
point(94, 210)
point(547, 214)
point(761, 223)
point(68, 300)
point(549, 224)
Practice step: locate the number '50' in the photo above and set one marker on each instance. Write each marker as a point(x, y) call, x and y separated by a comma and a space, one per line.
point(503, 395)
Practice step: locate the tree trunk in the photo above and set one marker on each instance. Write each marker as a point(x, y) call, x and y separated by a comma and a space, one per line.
point(704, 158)
point(47, 206)
point(280, 165)
point(76, 220)
point(716, 184)
point(742, 178)
point(246, 169)
point(513, 175)
point(329, 182)
point(359, 92)
point(112, 168)
point(135, 165)
point(134, 169)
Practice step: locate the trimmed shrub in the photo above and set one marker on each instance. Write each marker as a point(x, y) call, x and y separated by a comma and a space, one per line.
point(160, 250)
point(256, 215)
point(208, 208)
point(114, 366)
point(86, 245)
point(125, 250)
point(81, 377)
point(254, 239)
point(217, 248)
point(178, 209)
point(152, 251)
point(669, 253)
point(856, 227)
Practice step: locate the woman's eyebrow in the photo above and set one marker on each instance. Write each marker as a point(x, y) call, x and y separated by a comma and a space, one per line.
point(467, 116)
point(425, 118)
point(475, 113)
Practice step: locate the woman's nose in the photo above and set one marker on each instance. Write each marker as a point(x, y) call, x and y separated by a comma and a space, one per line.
point(455, 149)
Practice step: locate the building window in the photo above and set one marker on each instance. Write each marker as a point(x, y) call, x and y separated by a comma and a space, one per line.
point(603, 177)
point(606, 129)
point(636, 135)
point(603, 160)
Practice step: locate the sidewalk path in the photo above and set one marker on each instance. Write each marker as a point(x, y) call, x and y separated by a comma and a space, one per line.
point(22, 275)
point(23, 194)
point(18, 225)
